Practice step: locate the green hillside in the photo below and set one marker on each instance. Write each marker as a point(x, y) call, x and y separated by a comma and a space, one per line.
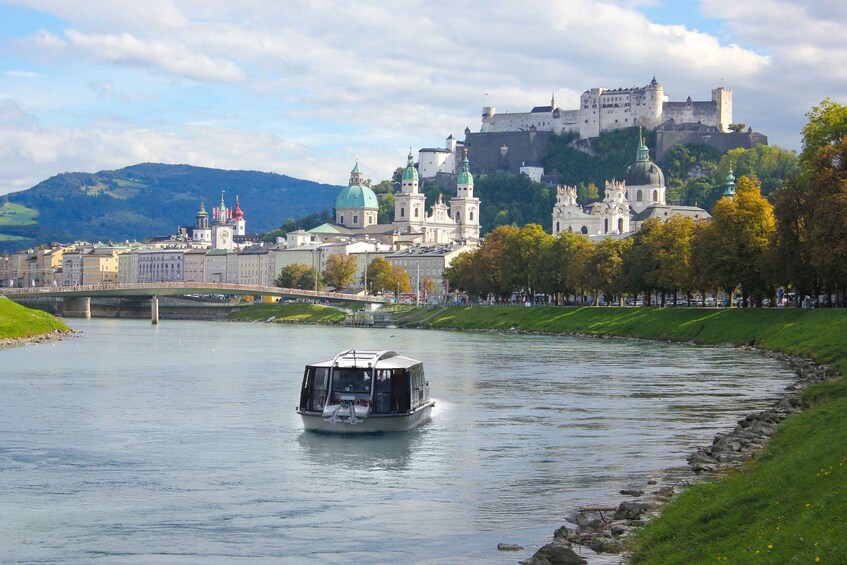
point(147, 200)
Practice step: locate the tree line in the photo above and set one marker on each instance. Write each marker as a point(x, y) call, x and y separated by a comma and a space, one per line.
point(795, 238)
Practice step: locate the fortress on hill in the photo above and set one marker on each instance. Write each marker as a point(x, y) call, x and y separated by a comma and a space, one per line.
point(601, 110)
point(515, 142)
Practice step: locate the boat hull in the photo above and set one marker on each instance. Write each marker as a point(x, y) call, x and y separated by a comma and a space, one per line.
point(372, 424)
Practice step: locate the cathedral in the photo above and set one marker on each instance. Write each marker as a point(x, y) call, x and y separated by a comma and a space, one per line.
point(357, 210)
point(626, 205)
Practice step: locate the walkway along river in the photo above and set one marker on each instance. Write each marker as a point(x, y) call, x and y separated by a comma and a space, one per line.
point(180, 443)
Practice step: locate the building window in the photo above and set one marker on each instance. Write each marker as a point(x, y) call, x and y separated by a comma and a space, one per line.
point(655, 196)
point(638, 196)
point(470, 217)
point(416, 212)
point(620, 225)
point(584, 230)
point(402, 212)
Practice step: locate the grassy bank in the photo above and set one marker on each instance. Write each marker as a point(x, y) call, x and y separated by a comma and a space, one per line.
point(291, 313)
point(787, 506)
point(17, 321)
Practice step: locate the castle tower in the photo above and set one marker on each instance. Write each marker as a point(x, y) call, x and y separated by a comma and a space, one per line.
point(202, 232)
point(409, 205)
point(722, 97)
point(464, 208)
point(654, 95)
point(238, 219)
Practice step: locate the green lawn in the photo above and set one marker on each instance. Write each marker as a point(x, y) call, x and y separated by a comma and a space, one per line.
point(787, 506)
point(17, 215)
point(4, 237)
point(295, 312)
point(19, 321)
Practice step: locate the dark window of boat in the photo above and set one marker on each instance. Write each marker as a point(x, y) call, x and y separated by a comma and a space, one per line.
point(351, 382)
point(313, 394)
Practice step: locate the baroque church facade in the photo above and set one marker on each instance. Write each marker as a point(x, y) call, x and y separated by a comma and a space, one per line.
point(357, 210)
point(626, 204)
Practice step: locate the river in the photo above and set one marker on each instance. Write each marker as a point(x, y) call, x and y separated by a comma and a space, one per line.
point(179, 443)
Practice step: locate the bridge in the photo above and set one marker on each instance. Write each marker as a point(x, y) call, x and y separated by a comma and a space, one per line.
point(78, 298)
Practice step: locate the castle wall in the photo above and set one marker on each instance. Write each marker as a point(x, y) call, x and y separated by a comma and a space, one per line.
point(505, 152)
point(723, 142)
point(705, 113)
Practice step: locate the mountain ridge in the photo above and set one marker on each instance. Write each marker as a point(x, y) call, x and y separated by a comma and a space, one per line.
point(150, 199)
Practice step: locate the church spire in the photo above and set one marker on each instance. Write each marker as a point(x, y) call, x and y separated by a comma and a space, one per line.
point(643, 153)
point(729, 185)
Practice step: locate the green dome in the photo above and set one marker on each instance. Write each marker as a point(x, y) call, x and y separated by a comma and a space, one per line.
point(202, 213)
point(410, 172)
point(356, 196)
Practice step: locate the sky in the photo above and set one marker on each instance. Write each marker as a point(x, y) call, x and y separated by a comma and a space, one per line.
point(305, 87)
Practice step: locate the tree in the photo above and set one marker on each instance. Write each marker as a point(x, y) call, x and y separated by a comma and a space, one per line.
point(379, 278)
point(605, 269)
point(385, 214)
point(770, 164)
point(520, 262)
point(641, 260)
point(737, 127)
point(827, 125)
point(828, 230)
point(427, 286)
point(674, 257)
point(489, 262)
point(296, 275)
point(340, 270)
point(742, 231)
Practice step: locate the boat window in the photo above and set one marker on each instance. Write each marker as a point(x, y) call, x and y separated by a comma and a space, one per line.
point(313, 393)
point(382, 392)
point(351, 380)
point(400, 391)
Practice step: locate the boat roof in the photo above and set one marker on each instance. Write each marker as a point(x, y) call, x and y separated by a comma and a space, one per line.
point(361, 358)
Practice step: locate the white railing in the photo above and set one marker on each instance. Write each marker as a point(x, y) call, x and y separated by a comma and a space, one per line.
point(221, 288)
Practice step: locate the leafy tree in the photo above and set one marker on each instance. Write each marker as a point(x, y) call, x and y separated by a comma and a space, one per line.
point(674, 255)
point(828, 233)
point(399, 279)
point(742, 231)
point(737, 127)
point(340, 270)
point(641, 259)
point(385, 214)
point(296, 275)
point(605, 269)
point(770, 164)
point(379, 276)
point(572, 251)
point(827, 125)
point(520, 260)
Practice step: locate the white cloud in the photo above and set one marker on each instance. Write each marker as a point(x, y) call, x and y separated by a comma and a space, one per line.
point(347, 78)
point(21, 74)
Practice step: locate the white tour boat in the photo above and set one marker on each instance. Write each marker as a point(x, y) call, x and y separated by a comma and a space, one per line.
point(365, 391)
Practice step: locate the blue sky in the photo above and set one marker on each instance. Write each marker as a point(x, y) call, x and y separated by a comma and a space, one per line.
point(303, 88)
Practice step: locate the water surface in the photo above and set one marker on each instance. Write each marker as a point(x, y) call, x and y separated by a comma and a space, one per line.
point(179, 443)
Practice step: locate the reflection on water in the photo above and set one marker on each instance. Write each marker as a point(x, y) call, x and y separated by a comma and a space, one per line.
point(371, 453)
point(179, 443)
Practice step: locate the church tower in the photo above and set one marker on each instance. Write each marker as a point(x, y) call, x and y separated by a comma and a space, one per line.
point(222, 230)
point(409, 212)
point(238, 219)
point(464, 208)
point(202, 232)
point(729, 185)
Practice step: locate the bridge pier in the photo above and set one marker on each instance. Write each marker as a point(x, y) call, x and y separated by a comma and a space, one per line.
point(76, 307)
point(154, 309)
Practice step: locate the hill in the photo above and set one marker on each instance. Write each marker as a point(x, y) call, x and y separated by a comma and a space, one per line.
point(149, 199)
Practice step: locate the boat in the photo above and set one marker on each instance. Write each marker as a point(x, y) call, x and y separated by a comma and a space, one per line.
point(365, 391)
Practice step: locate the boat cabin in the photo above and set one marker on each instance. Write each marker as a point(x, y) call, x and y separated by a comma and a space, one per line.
point(356, 385)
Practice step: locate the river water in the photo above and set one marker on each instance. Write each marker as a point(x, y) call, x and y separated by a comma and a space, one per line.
point(178, 443)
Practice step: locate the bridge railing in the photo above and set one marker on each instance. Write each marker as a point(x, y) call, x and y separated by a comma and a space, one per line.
point(221, 288)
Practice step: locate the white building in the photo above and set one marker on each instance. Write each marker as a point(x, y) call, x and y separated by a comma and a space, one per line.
point(625, 206)
point(160, 265)
point(428, 262)
point(602, 109)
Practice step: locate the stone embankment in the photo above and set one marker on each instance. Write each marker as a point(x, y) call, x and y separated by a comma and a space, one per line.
point(604, 529)
point(55, 335)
